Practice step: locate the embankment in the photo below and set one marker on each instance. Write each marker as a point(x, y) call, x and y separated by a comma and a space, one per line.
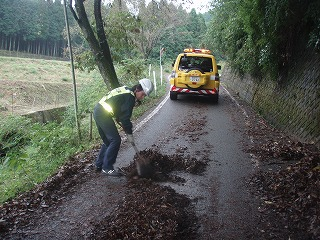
point(293, 104)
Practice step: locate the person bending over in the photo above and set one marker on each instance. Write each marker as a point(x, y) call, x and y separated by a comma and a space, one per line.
point(117, 105)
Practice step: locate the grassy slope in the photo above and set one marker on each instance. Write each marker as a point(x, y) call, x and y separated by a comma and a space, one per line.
point(37, 151)
point(33, 84)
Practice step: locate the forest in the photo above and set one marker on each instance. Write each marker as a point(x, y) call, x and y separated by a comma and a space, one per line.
point(255, 36)
point(264, 37)
point(32, 26)
point(139, 31)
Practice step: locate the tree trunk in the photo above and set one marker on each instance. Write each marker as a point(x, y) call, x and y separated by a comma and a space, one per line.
point(18, 43)
point(104, 55)
point(99, 48)
point(54, 52)
point(9, 45)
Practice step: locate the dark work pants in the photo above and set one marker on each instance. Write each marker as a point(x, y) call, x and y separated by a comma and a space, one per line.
point(110, 137)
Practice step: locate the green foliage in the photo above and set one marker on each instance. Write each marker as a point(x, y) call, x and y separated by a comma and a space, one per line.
point(197, 28)
point(174, 41)
point(261, 37)
point(85, 61)
point(13, 135)
point(118, 31)
point(131, 70)
point(43, 149)
point(188, 30)
point(312, 20)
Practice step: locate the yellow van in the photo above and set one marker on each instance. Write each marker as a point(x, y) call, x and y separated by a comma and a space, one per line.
point(195, 71)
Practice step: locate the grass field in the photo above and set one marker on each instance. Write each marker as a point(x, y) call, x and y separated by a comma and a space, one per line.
point(29, 85)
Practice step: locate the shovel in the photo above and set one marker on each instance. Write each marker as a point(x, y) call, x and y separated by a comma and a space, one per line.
point(143, 165)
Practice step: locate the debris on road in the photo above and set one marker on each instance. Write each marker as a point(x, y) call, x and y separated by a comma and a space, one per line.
point(148, 209)
point(288, 181)
point(163, 165)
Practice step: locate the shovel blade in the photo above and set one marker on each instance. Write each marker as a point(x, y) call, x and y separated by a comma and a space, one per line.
point(144, 168)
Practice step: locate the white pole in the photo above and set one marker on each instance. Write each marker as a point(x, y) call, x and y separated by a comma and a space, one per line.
point(149, 70)
point(161, 74)
point(160, 53)
point(155, 83)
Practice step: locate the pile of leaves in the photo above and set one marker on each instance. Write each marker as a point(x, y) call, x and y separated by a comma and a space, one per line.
point(292, 191)
point(163, 165)
point(149, 211)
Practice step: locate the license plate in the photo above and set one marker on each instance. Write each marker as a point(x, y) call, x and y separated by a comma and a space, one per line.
point(194, 79)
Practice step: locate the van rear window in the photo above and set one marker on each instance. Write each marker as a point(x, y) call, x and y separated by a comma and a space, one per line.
point(188, 62)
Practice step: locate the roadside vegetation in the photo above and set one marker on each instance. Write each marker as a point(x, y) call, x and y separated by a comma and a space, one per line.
point(263, 38)
point(31, 152)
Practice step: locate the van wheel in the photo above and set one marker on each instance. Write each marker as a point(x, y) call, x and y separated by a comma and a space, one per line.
point(173, 95)
point(215, 98)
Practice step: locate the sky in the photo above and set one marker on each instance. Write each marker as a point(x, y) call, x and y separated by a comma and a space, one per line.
point(200, 6)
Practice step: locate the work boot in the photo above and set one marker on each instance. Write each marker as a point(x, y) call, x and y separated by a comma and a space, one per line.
point(112, 173)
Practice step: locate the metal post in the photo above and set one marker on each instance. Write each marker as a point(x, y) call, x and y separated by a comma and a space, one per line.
point(90, 127)
point(72, 71)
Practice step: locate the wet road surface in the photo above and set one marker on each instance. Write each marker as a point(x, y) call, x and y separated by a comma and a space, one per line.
point(193, 126)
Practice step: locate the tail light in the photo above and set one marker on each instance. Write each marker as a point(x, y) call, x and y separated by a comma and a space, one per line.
point(215, 77)
point(173, 74)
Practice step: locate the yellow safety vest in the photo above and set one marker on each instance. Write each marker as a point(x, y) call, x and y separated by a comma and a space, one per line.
point(114, 92)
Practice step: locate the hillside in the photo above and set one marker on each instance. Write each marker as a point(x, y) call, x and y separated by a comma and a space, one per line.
point(29, 85)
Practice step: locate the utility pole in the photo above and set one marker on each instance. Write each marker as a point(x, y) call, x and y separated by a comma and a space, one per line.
point(72, 71)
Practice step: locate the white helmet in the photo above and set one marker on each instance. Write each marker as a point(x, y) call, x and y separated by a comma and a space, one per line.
point(146, 85)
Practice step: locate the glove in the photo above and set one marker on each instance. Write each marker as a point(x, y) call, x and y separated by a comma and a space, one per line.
point(118, 121)
point(130, 138)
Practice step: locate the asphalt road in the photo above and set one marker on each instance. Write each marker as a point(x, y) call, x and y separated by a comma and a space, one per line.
point(192, 127)
point(195, 127)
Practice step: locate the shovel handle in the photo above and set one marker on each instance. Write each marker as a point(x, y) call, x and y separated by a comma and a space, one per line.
point(135, 148)
point(138, 153)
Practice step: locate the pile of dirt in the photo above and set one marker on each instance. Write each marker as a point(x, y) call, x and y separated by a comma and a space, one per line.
point(148, 209)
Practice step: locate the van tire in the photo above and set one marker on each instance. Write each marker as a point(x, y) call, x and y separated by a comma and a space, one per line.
point(215, 98)
point(173, 95)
